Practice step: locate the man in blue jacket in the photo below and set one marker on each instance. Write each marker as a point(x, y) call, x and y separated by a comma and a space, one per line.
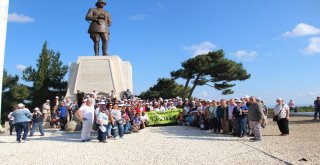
point(22, 117)
point(63, 114)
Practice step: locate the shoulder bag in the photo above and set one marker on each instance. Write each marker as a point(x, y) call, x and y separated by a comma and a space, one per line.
point(276, 117)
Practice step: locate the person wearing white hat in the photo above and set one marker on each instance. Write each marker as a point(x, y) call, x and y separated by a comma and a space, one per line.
point(37, 121)
point(118, 125)
point(22, 117)
point(281, 111)
point(240, 112)
point(46, 111)
point(103, 118)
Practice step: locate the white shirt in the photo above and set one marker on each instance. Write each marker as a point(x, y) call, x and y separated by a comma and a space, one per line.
point(116, 114)
point(87, 112)
point(283, 108)
point(186, 108)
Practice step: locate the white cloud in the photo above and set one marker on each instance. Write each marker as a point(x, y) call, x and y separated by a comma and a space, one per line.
point(314, 46)
point(302, 29)
point(21, 67)
point(19, 18)
point(202, 48)
point(138, 17)
point(245, 55)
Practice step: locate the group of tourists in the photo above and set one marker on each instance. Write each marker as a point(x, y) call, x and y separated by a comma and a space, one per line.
point(239, 117)
point(113, 117)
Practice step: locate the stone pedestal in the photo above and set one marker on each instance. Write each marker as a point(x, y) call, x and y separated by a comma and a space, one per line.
point(102, 73)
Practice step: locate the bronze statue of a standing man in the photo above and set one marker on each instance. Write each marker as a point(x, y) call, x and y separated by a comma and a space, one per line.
point(99, 26)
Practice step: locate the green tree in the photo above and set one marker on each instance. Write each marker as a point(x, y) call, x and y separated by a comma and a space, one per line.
point(165, 88)
point(48, 77)
point(12, 93)
point(211, 69)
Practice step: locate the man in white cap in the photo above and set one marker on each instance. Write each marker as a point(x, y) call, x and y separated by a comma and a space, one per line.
point(37, 121)
point(46, 111)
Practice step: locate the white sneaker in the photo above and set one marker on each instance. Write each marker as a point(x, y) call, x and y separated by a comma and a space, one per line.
point(116, 138)
point(122, 137)
point(23, 141)
point(209, 131)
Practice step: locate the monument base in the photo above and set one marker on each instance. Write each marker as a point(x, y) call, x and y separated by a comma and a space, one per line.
point(100, 73)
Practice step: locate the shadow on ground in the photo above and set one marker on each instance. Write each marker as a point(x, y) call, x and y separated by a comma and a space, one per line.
point(192, 133)
point(60, 136)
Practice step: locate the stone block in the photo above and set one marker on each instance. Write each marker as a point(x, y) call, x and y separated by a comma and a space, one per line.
point(73, 126)
point(102, 73)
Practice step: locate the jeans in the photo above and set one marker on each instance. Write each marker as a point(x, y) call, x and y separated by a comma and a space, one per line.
point(35, 126)
point(316, 113)
point(242, 123)
point(127, 127)
point(118, 129)
point(102, 135)
point(23, 126)
point(109, 128)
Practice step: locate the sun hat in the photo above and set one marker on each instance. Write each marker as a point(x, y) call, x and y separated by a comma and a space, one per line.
point(102, 103)
point(279, 99)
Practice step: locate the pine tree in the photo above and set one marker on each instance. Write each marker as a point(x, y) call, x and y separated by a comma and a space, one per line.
point(48, 77)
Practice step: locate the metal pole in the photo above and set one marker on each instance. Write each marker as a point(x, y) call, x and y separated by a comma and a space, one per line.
point(4, 7)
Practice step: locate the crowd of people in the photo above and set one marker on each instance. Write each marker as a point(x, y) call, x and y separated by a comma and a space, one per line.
point(238, 117)
point(113, 118)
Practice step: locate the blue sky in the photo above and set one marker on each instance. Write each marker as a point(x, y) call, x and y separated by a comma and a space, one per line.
point(278, 41)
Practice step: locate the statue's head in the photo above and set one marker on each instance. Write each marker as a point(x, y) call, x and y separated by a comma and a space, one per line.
point(101, 1)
